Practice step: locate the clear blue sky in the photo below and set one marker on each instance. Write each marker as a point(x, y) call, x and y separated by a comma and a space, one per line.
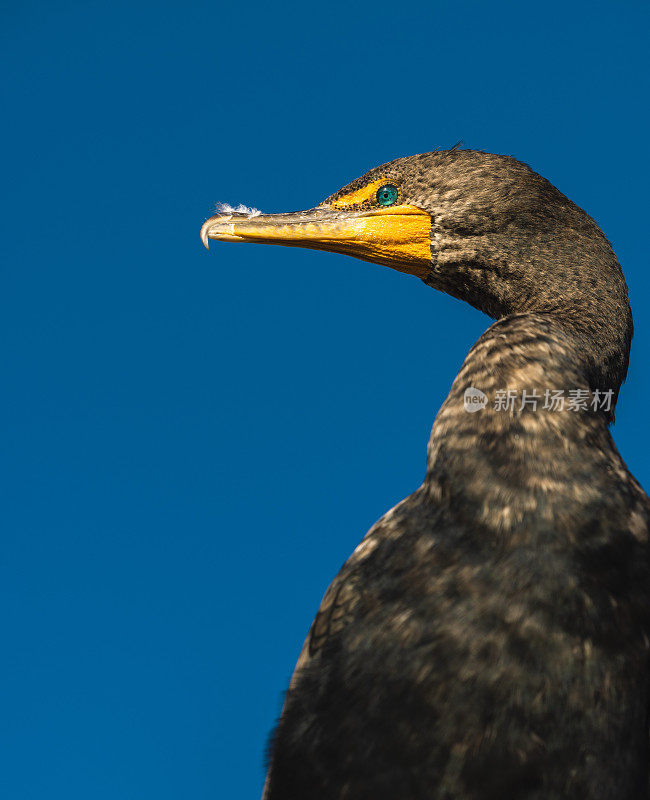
point(194, 442)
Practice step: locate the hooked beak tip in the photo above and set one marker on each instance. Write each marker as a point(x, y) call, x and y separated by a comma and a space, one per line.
point(204, 235)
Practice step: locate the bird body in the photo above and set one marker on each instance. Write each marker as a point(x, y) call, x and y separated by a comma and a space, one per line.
point(489, 637)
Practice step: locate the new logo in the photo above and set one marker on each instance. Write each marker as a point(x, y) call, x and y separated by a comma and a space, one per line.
point(474, 400)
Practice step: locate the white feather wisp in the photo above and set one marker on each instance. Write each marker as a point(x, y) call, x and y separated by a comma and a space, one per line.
point(226, 208)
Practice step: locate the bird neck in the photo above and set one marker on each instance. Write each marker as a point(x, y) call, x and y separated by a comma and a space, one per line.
point(573, 281)
point(521, 420)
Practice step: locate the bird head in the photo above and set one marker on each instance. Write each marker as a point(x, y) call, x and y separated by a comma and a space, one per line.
point(484, 228)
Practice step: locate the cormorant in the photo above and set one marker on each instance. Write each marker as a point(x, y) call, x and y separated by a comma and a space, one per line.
point(489, 637)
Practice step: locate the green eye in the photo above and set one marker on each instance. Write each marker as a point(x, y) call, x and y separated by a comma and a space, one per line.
point(387, 194)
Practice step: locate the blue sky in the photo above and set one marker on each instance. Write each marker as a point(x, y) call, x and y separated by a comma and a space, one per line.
point(194, 441)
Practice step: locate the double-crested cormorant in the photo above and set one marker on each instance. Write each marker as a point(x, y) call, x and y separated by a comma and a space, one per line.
point(488, 639)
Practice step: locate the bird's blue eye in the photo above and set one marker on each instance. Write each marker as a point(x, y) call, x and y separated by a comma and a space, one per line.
point(387, 194)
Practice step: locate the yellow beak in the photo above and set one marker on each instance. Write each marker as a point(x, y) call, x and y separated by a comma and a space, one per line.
point(397, 236)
